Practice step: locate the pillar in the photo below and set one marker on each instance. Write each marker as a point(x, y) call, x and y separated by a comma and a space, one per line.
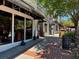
point(34, 28)
point(12, 28)
point(3, 2)
point(55, 28)
point(58, 28)
point(24, 28)
point(48, 27)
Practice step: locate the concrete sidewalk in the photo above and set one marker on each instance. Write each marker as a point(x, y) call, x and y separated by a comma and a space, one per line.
point(53, 35)
point(40, 50)
point(11, 53)
point(49, 48)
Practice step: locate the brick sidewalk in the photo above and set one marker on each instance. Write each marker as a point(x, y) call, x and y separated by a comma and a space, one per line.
point(47, 50)
point(30, 54)
point(49, 53)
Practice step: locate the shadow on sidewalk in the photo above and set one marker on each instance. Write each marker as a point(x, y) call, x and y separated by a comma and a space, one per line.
point(49, 48)
point(12, 53)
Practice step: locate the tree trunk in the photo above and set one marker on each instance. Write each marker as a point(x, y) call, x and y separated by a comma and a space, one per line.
point(76, 34)
point(76, 25)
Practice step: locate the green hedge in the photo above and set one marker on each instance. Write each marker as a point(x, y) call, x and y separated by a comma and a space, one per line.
point(70, 35)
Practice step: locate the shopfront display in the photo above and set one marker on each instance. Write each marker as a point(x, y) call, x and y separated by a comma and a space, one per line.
point(28, 29)
point(5, 28)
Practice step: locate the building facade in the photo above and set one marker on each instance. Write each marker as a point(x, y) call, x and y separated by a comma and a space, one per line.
point(51, 26)
point(19, 20)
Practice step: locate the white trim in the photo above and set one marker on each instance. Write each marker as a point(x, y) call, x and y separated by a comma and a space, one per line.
point(12, 11)
point(24, 28)
point(12, 28)
point(11, 45)
point(34, 29)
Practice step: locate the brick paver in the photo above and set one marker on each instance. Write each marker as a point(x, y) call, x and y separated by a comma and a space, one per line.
point(50, 48)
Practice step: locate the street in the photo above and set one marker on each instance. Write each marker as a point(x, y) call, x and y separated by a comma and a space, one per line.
point(49, 48)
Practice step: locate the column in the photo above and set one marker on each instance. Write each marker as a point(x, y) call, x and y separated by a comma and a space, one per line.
point(34, 28)
point(3, 2)
point(24, 28)
point(12, 28)
point(48, 27)
point(44, 28)
point(55, 28)
point(58, 28)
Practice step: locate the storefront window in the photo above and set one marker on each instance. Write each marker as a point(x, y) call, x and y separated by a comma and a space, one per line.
point(19, 29)
point(5, 29)
point(1, 2)
point(28, 29)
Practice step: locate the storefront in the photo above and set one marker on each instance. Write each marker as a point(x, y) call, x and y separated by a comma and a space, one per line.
point(17, 24)
point(29, 29)
point(12, 25)
point(5, 28)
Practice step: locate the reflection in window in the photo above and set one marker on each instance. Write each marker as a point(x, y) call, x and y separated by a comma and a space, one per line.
point(19, 30)
point(28, 29)
point(1, 2)
point(5, 30)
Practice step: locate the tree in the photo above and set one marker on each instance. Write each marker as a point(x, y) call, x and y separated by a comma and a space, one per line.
point(67, 23)
point(60, 8)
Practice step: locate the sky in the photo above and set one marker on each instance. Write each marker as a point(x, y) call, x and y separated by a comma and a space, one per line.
point(65, 18)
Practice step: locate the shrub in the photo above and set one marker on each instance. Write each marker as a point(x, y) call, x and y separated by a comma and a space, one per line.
point(71, 35)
